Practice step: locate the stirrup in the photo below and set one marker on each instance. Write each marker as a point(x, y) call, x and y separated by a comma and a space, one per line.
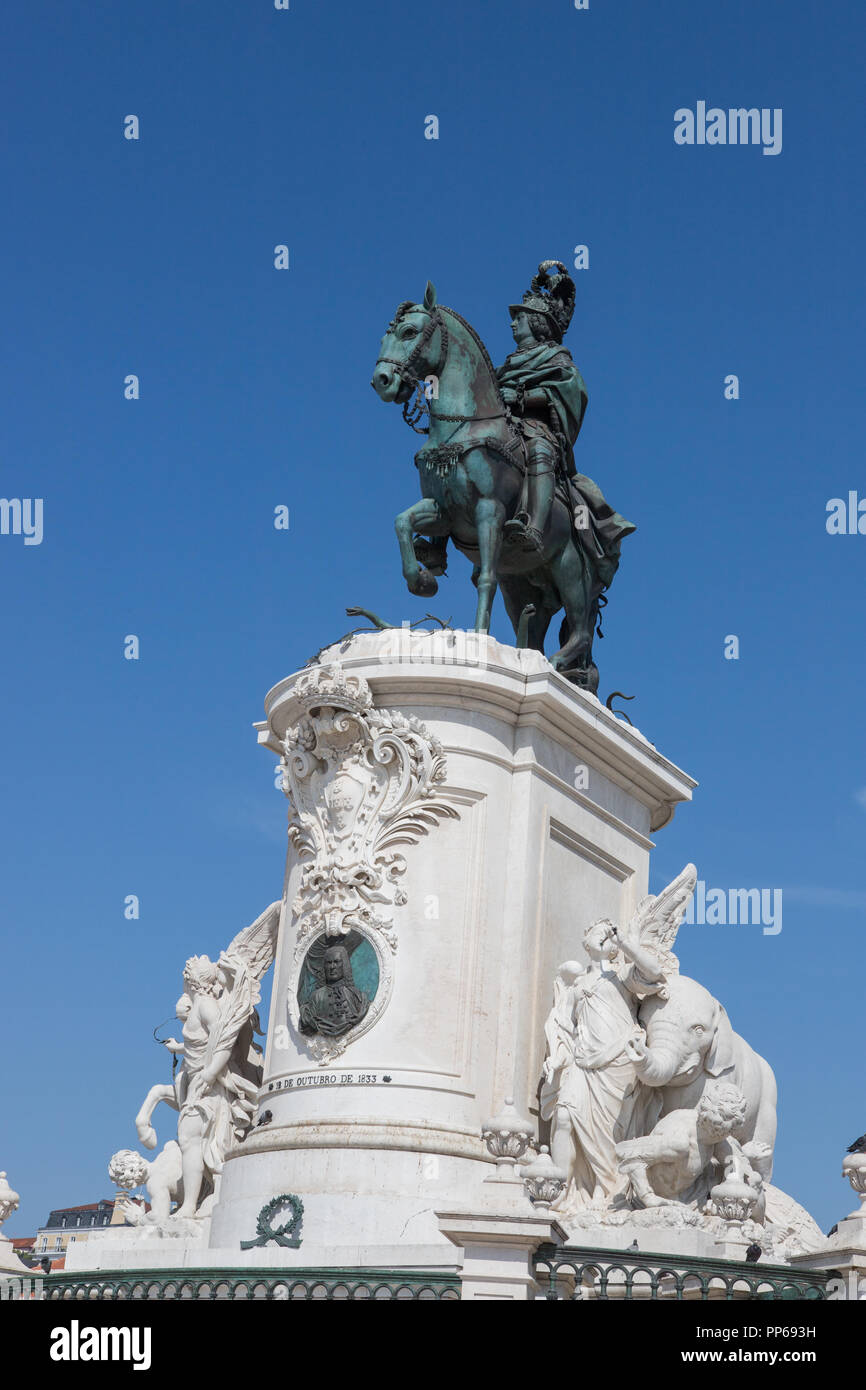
point(518, 527)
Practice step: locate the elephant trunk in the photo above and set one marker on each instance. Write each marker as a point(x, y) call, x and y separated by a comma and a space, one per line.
point(658, 1066)
point(669, 1050)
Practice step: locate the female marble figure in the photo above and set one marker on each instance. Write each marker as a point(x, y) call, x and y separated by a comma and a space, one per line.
point(590, 1084)
point(221, 1068)
point(216, 1087)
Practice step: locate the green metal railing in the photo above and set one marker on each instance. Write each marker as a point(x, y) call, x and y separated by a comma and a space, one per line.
point(269, 1284)
point(573, 1273)
point(591, 1273)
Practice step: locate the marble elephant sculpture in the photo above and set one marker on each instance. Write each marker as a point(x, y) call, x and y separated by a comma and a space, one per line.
point(689, 1042)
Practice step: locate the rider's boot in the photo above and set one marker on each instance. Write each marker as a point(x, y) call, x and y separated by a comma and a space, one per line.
point(540, 501)
point(527, 528)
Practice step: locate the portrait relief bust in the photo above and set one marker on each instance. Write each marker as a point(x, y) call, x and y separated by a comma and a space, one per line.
point(334, 1004)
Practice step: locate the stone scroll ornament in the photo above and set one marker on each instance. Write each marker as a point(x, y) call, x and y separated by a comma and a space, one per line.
point(362, 783)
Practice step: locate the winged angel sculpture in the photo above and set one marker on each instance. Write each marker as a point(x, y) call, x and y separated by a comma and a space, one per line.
point(631, 1041)
point(591, 1088)
point(215, 1088)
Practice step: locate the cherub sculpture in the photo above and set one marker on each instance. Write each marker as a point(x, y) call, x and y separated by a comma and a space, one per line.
point(590, 1085)
point(162, 1177)
point(216, 1086)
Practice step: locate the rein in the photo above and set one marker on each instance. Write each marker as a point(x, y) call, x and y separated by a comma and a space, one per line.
point(413, 411)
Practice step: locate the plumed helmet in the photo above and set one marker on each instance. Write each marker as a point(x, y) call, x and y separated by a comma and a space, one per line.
point(551, 295)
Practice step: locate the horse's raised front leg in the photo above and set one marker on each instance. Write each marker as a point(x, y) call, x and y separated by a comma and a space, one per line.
point(489, 520)
point(423, 516)
point(143, 1127)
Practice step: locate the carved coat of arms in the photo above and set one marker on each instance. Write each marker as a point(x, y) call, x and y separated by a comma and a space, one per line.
point(362, 783)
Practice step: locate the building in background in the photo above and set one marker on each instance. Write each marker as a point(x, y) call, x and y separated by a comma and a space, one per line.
point(24, 1247)
point(67, 1225)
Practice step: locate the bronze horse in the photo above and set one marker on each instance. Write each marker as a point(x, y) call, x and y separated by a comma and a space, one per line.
point(472, 480)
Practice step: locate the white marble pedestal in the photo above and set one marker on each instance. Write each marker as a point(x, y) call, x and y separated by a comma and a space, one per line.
point(552, 802)
point(845, 1254)
point(9, 1261)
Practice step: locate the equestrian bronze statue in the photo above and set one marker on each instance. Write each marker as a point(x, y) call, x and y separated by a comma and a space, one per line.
point(497, 472)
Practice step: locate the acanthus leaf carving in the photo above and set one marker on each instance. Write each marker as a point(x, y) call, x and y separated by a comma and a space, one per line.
point(361, 782)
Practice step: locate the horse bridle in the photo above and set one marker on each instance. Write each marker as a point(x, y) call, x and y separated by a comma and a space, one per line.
point(413, 411)
point(406, 370)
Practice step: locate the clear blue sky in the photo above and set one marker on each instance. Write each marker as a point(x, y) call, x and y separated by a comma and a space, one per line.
point(155, 257)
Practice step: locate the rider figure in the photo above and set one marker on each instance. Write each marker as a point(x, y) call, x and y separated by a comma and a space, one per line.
point(543, 388)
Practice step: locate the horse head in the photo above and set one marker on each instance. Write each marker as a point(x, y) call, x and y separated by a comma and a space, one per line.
point(411, 349)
